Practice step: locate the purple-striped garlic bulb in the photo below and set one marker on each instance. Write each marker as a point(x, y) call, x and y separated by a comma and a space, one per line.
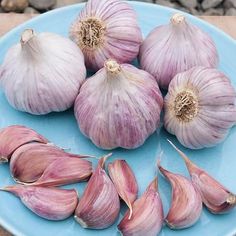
point(176, 47)
point(107, 29)
point(200, 107)
point(42, 73)
point(119, 106)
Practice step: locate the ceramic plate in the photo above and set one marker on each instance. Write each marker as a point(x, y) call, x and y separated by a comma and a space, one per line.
point(62, 130)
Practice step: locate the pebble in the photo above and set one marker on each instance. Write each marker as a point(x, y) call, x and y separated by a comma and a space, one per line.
point(188, 3)
point(214, 12)
point(42, 4)
point(231, 12)
point(167, 3)
point(206, 4)
point(62, 3)
point(229, 4)
point(30, 10)
point(14, 5)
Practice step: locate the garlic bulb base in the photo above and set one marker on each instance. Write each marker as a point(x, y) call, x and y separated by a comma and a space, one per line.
point(91, 32)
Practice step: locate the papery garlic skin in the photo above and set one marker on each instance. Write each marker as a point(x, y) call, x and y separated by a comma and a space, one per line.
point(214, 195)
point(30, 161)
point(125, 182)
point(176, 47)
point(14, 136)
point(119, 106)
point(107, 29)
point(186, 204)
point(147, 217)
point(49, 203)
point(200, 107)
point(42, 73)
point(99, 205)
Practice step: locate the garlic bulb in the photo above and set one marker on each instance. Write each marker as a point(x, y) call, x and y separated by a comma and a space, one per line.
point(107, 29)
point(176, 47)
point(200, 107)
point(13, 137)
point(48, 203)
point(119, 106)
point(42, 73)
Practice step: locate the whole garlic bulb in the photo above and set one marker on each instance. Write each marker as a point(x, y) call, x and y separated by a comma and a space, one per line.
point(200, 107)
point(119, 106)
point(176, 47)
point(42, 73)
point(107, 29)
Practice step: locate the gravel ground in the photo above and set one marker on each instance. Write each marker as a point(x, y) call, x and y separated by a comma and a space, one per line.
point(195, 7)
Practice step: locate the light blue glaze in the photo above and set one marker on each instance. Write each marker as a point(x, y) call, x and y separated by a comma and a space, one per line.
point(62, 130)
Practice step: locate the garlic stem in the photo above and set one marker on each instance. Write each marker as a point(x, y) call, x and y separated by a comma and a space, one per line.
point(177, 18)
point(27, 35)
point(112, 66)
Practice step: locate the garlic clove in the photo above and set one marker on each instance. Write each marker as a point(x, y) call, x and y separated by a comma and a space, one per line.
point(215, 196)
point(125, 182)
point(55, 66)
point(100, 205)
point(14, 136)
point(65, 170)
point(171, 49)
point(48, 203)
point(29, 161)
point(147, 217)
point(186, 204)
point(126, 113)
point(200, 107)
point(107, 29)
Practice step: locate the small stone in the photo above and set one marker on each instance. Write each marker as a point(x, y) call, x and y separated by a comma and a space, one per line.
point(150, 1)
point(166, 3)
point(42, 4)
point(206, 4)
point(229, 4)
point(214, 12)
point(231, 12)
point(30, 10)
point(188, 3)
point(14, 5)
point(62, 3)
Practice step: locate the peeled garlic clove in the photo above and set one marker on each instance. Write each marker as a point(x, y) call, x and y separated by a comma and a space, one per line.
point(200, 107)
point(147, 217)
point(176, 47)
point(46, 70)
point(65, 170)
point(14, 136)
point(127, 111)
point(125, 182)
point(186, 204)
point(215, 196)
point(48, 203)
point(107, 29)
point(29, 161)
point(100, 204)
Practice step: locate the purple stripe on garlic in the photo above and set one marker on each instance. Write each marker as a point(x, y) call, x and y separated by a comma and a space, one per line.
point(107, 29)
point(200, 107)
point(176, 47)
point(119, 106)
point(46, 70)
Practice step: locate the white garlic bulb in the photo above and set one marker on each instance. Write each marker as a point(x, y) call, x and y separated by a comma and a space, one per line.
point(107, 29)
point(176, 47)
point(42, 73)
point(119, 106)
point(200, 107)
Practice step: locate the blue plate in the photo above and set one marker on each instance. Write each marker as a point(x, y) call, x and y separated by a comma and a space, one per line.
point(62, 130)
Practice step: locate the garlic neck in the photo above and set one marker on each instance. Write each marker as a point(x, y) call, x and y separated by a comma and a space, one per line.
point(186, 106)
point(112, 67)
point(91, 33)
point(27, 35)
point(177, 19)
